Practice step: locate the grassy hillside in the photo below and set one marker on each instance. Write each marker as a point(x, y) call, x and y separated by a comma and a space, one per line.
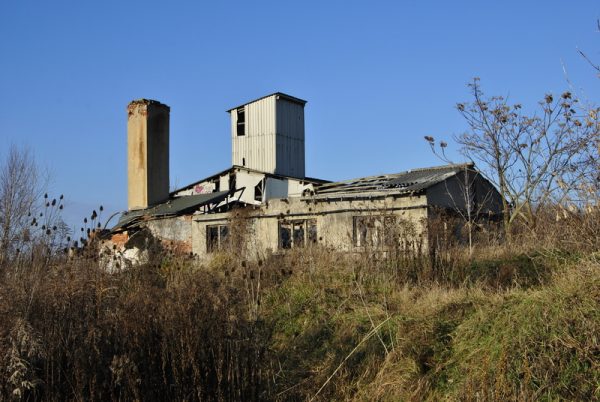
point(509, 323)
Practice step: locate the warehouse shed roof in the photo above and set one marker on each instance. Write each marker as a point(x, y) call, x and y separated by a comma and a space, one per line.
point(410, 181)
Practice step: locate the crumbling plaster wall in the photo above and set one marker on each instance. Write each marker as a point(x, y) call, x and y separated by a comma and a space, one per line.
point(334, 220)
point(174, 233)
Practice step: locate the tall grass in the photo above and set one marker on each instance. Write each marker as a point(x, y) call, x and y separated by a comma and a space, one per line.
point(512, 321)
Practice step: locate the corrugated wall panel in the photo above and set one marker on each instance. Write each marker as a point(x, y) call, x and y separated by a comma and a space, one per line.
point(257, 146)
point(290, 138)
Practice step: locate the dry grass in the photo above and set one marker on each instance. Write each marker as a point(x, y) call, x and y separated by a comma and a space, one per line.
point(509, 322)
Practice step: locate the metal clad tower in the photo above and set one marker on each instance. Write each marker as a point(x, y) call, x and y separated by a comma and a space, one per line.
point(267, 135)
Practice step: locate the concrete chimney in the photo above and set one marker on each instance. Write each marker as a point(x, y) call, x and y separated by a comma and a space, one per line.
point(147, 153)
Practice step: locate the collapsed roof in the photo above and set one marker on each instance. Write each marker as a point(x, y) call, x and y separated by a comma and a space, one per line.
point(172, 207)
point(410, 181)
point(403, 183)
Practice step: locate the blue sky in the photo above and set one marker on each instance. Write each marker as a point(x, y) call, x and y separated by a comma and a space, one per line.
point(377, 76)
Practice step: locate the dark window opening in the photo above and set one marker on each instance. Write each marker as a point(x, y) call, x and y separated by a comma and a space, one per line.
point(212, 238)
point(232, 182)
point(312, 232)
point(241, 121)
point(217, 237)
point(258, 191)
point(285, 236)
point(297, 233)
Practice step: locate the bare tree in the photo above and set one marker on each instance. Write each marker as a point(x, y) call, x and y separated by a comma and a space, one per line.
point(594, 65)
point(533, 159)
point(19, 180)
point(466, 202)
point(28, 217)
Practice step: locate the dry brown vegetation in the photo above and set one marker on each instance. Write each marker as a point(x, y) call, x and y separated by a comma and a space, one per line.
point(511, 322)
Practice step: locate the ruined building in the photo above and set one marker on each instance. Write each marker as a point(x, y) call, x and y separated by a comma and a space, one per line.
point(267, 188)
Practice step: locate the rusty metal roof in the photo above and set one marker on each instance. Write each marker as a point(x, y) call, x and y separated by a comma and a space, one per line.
point(172, 207)
point(411, 181)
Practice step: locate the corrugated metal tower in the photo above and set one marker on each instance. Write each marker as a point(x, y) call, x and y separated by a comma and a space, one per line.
point(267, 134)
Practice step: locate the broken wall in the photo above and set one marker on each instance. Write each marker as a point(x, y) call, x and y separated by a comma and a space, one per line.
point(335, 223)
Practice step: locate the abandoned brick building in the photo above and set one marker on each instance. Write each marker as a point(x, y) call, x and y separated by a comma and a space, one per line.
point(285, 209)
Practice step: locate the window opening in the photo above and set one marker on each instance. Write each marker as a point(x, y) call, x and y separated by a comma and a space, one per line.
point(312, 231)
point(241, 121)
point(298, 239)
point(297, 233)
point(373, 231)
point(232, 182)
point(285, 236)
point(217, 237)
point(258, 191)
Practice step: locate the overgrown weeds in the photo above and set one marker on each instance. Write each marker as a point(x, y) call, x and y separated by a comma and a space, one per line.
point(506, 322)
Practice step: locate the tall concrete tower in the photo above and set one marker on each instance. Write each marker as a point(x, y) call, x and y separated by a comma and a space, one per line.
point(147, 153)
point(267, 135)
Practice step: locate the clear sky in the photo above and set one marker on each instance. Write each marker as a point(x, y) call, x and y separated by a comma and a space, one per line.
point(377, 76)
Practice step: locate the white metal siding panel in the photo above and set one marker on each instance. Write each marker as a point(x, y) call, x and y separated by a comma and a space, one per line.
point(234, 140)
point(261, 132)
point(257, 147)
point(297, 187)
point(276, 188)
point(248, 180)
point(224, 182)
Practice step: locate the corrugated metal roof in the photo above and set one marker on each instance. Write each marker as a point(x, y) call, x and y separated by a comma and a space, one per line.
point(175, 206)
point(411, 181)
